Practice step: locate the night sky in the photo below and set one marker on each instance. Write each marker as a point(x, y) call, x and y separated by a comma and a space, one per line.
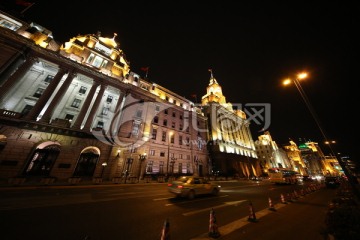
point(251, 48)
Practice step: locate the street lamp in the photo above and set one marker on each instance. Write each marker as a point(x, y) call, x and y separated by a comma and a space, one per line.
point(296, 81)
point(104, 164)
point(142, 158)
point(128, 163)
point(168, 155)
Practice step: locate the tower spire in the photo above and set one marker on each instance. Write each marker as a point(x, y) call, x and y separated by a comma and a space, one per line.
point(211, 73)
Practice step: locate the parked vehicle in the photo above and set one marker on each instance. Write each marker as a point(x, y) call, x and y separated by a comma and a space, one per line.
point(190, 187)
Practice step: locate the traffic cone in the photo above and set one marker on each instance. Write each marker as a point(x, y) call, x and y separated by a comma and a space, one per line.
point(271, 206)
point(165, 232)
point(252, 217)
point(213, 228)
point(282, 198)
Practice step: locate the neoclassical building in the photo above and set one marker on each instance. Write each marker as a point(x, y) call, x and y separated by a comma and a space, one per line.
point(77, 110)
point(270, 155)
point(230, 144)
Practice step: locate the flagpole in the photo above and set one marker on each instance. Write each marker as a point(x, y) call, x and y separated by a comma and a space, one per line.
point(30, 5)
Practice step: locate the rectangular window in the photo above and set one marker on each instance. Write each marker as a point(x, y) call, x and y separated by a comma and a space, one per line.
point(82, 90)
point(156, 119)
point(105, 111)
point(152, 152)
point(149, 167)
point(180, 168)
point(165, 122)
point(180, 127)
point(174, 114)
point(157, 108)
point(90, 58)
point(39, 92)
point(162, 154)
point(154, 133)
point(188, 168)
point(187, 141)
point(173, 124)
point(180, 140)
point(180, 156)
point(76, 103)
point(139, 113)
point(163, 136)
point(172, 139)
point(69, 117)
point(109, 99)
point(49, 78)
point(161, 167)
point(100, 124)
point(103, 64)
point(166, 111)
point(97, 62)
point(135, 130)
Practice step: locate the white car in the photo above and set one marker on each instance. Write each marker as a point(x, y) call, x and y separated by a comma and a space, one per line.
point(190, 187)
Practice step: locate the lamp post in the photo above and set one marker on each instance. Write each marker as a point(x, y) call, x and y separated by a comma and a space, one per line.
point(104, 164)
point(298, 86)
point(296, 82)
point(142, 158)
point(168, 154)
point(128, 163)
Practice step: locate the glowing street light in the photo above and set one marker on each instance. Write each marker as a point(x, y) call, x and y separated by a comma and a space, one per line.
point(296, 81)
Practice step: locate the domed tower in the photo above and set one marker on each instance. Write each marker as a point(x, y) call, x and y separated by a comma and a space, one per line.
point(231, 146)
point(101, 53)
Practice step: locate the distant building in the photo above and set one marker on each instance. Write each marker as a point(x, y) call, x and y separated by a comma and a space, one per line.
point(269, 154)
point(295, 157)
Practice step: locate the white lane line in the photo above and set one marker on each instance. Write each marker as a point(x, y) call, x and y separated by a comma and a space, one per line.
point(191, 201)
point(228, 228)
point(216, 207)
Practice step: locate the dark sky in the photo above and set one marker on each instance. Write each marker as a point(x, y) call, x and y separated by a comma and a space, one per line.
point(251, 48)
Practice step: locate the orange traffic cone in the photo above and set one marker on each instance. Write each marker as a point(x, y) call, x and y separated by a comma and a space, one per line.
point(213, 228)
point(282, 199)
point(165, 232)
point(271, 205)
point(252, 217)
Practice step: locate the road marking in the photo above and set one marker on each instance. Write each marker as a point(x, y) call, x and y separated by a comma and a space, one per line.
point(216, 207)
point(191, 201)
point(235, 225)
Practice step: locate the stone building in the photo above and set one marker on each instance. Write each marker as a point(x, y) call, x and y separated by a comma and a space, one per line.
point(77, 110)
point(230, 144)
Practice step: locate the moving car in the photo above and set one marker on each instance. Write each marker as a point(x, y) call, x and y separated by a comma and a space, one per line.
point(190, 187)
point(332, 181)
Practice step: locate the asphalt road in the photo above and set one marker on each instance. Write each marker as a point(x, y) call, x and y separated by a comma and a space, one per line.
point(138, 211)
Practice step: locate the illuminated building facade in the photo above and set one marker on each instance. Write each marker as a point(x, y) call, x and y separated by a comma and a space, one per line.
point(295, 157)
point(230, 143)
point(270, 155)
point(76, 110)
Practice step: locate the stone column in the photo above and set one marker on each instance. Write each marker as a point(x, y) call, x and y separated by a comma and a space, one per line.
point(13, 79)
point(94, 108)
point(84, 108)
point(55, 101)
point(114, 126)
point(40, 104)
